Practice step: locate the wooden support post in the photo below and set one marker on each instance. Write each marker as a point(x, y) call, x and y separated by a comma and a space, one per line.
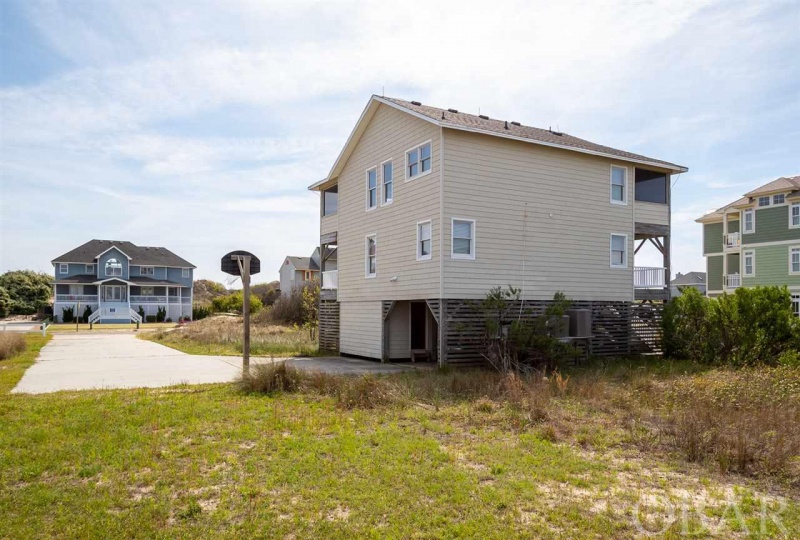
point(668, 270)
point(244, 268)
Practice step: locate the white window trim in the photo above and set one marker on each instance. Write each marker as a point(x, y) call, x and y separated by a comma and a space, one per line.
point(624, 200)
point(377, 189)
point(427, 257)
point(107, 268)
point(790, 216)
point(780, 203)
point(421, 174)
point(611, 251)
point(185, 272)
point(63, 268)
point(744, 221)
point(473, 246)
point(90, 268)
point(142, 272)
point(383, 185)
point(745, 253)
point(374, 236)
point(791, 273)
point(767, 197)
point(796, 302)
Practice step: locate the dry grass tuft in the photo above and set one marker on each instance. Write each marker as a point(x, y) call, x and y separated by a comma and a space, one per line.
point(11, 344)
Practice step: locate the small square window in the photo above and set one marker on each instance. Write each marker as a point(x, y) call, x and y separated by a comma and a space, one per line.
point(90, 269)
point(185, 272)
point(424, 241)
point(619, 250)
point(763, 201)
point(778, 199)
point(146, 270)
point(418, 161)
point(63, 268)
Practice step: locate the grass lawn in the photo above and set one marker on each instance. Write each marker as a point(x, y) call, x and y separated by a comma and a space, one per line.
point(70, 327)
point(212, 461)
point(222, 335)
point(11, 370)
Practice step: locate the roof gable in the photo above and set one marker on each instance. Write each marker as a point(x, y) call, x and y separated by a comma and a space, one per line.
point(782, 184)
point(452, 119)
point(137, 255)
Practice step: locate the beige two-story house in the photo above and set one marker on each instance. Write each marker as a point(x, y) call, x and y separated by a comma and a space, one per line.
point(426, 209)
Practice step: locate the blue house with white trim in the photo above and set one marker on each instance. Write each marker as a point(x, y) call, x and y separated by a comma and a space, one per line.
point(118, 280)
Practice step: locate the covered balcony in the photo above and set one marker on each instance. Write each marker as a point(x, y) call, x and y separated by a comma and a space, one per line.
point(651, 281)
point(732, 240)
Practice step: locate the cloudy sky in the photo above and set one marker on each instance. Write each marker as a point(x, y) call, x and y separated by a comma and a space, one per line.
point(198, 126)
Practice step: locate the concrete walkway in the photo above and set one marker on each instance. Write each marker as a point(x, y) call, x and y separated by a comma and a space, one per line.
point(96, 361)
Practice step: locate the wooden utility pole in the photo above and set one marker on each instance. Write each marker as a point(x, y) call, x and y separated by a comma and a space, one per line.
point(244, 269)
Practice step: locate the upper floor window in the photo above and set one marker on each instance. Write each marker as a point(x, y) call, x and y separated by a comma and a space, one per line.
point(794, 260)
point(749, 263)
point(146, 270)
point(463, 239)
point(763, 201)
point(796, 304)
point(113, 267)
point(650, 186)
point(388, 182)
point(749, 221)
point(90, 269)
point(185, 272)
point(372, 188)
point(63, 268)
point(418, 161)
point(619, 182)
point(423, 241)
point(778, 199)
point(794, 215)
point(330, 200)
point(371, 256)
point(619, 250)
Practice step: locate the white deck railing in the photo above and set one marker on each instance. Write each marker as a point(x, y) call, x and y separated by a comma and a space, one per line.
point(330, 279)
point(139, 299)
point(733, 281)
point(646, 277)
point(732, 240)
point(76, 298)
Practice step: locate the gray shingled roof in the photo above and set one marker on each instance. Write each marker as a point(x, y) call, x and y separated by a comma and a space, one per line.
point(140, 255)
point(689, 278)
point(506, 128)
point(303, 263)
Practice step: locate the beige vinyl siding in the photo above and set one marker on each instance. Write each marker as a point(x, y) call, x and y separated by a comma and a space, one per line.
point(400, 331)
point(547, 206)
point(329, 224)
point(647, 212)
point(361, 326)
point(389, 134)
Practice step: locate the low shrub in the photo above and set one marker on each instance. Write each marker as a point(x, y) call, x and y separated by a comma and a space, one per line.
point(161, 314)
point(200, 311)
point(269, 378)
point(150, 319)
point(68, 314)
point(287, 309)
point(10, 344)
point(234, 303)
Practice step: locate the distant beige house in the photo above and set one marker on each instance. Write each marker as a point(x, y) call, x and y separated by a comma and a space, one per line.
point(426, 209)
point(297, 271)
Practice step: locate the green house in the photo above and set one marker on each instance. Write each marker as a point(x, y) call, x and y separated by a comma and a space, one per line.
point(755, 240)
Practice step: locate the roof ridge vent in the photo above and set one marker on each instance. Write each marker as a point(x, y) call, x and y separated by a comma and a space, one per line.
point(417, 103)
point(515, 123)
point(453, 110)
point(483, 116)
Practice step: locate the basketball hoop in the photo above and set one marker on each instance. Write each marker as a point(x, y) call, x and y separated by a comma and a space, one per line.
point(242, 264)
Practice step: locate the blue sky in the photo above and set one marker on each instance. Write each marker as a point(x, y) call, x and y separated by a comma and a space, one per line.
point(198, 126)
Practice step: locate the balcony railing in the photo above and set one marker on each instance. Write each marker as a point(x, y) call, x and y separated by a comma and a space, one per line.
point(733, 281)
point(646, 277)
point(76, 298)
point(330, 279)
point(140, 299)
point(732, 240)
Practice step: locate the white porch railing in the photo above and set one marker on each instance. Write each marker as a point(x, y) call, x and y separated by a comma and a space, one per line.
point(76, 298)
point(139, 299)
point(646, 277)
point(732, 240)
point(733, 281)
point(135, 317)
point(330, 279)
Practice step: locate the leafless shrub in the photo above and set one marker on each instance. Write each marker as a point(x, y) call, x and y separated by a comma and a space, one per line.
point(273, 377)
point(11, 344)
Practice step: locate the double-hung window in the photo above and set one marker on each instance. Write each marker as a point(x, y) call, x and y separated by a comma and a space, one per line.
point(794, 260)
point(371, 256)
point(423, 240)
point(63, 268)
point(372, 188)
point(619, 251)
point(778, 199)
point(388, 182)
point(796, 304)
point(113, 267)
point(463, 239)
point(749, 218)
point(90, 269)
point(749, 263)
point(619, 182)
point(146, 270)
point(763, 201)
point(418, 161)
point(794, 215)
point(185, 272)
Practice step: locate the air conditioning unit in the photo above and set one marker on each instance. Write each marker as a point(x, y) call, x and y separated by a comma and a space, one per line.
point(580, 322)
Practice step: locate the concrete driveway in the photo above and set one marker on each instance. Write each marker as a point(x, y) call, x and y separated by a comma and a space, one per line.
point(93, 361)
